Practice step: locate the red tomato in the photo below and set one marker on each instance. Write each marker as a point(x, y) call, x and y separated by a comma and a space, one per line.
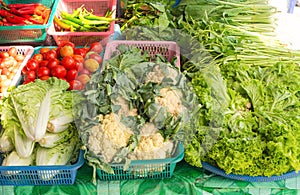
point(44, 78)
point(59, 71)
point(24, 70)
point(66, 51)
point(52, 63)
point(43, 71)
point(78, 57)
point(44, 63)
point(68, 62)
point(32, 64)
point(80, 51)
point(30, 76)
point(44, 50)
point(71, 74)
point(51, 54)
point(79, 66)
point(68, 43)
point(75, 85)
point(84, 71)
point(38, 57)
point(96, 47)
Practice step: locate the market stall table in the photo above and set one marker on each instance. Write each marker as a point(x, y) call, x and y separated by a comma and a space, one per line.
point(186, 180)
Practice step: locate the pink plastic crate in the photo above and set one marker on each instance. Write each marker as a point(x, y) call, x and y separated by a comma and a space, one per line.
point(168, 49)
point(27, 51)
point(99, 8)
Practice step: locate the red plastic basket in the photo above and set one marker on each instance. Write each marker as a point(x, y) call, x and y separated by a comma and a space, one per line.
point(99, 8)
point(27, 51)
point(168, 49)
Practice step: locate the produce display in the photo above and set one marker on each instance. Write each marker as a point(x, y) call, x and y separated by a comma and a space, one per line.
point(38, 124)
point(246, 80)
point(233, 103)
point(23, 14)
point(82, 20)
point(67, 62)
point(134, 109)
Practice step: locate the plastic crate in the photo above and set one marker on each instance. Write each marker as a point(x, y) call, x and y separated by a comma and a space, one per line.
point(40, 175)
point(99, 8)
point(168, 49)
point(28, 33)
point(27, 51)
point(145, 169)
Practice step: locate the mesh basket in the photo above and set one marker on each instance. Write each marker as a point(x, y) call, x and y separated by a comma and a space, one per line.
point(145, 169)
point(168, 49)
point(27, 33)
point(40, 175)
point(27, 51)
point(99, 8)
point(247, 178)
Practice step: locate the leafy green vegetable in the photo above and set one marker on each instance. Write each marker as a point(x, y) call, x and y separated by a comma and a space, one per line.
point(245, 79)
point(29, 109)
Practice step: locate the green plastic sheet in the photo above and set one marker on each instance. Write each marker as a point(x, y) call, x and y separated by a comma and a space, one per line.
point(186, 180)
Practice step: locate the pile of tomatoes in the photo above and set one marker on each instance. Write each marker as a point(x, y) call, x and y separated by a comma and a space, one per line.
point(66, 62)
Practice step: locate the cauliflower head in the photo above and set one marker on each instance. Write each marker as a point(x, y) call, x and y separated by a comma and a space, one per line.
point(152, 145)
point(109, 136)
point(171, 99)
point(157, 74)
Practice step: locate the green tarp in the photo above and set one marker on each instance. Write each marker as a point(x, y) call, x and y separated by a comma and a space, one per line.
point(186, 180)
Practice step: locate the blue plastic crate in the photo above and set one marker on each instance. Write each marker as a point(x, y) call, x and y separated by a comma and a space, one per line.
point(40, 175)
point(145, 169)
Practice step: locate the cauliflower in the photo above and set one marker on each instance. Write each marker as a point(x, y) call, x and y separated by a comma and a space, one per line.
point(109, 136)
point(157, 75)
point(171, 99)
point(149, 104)
point(124, 110)
point(151, 145)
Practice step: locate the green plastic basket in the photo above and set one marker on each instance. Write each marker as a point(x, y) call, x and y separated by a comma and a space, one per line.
point(145, 169)
point(27, 33)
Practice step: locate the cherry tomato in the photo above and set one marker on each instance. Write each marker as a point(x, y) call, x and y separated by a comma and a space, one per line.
point(24, 70)
point(64, 43)
point(84, 71)
point(32, 64)
point(43, 71)
point(96, 47)
point(51, 54)
point(78, 57)
point(44, 50)
point(75, 85)
point(66, 50)
point(44, 77)
point(68, 62)
point(79, 66)
point(52, 63)
point(38, 57)
point(30, 76)
point(83, 78)
point(80, 51)
point(44, 63)
point(59, 71)
point(71, 74)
